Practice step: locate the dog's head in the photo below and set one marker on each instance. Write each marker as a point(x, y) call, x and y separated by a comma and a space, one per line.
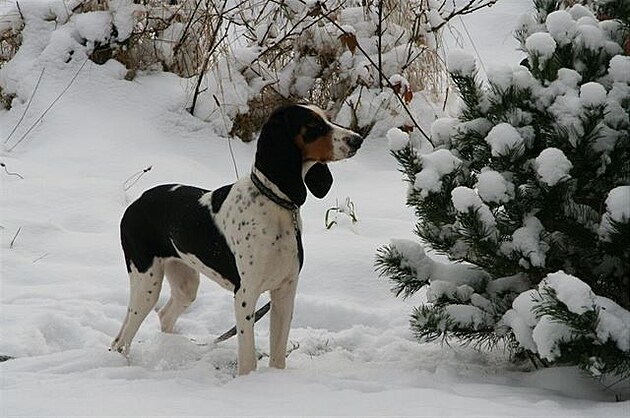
point(294, 146)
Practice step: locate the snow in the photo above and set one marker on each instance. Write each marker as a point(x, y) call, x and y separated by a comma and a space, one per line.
point(541, 44)
point(578, 11)
point(94, 26)
point(592, 94)
point(617, 210)
point(590, 37)
point(619, 69)
point(569, 78)
point(526, 241)
point(465, 198)
point(618, 203)
point(522, 320)
point(552, 166)
point(548, 334)
point(504, 138)
point(397, 139)
point(441, 130)
point(460, 61)
point(445, 278)
point(543, 334)
point(517, 283)
point(614, 323)
point(561, 26)
point(64, 286)
point(571, 291)
point(122, 16)
point(492, 43)
point(465, 315)
point(577, 296)
point(523, 305)
point(434, 166)
point(493, 187)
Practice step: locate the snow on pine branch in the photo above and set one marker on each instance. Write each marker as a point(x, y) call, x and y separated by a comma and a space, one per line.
point(541, 318)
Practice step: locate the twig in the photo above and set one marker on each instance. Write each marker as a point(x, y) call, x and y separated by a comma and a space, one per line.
point(15, 237)
point(291, 32)
point(232, 331)
point(294, 346)
point(40, 257)
point(472, 42)
point(202, 73)
point(471, 7)
point(379, 44)
point(17, 4)
point(133, 179)
point(28, 105)
point(49, 107)
point(185, 31)
point(214, 44)
point(609, 387)
point(3, 165)
point(216, 100)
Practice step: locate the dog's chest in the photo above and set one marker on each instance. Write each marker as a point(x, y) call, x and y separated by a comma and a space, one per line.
point(263, 236)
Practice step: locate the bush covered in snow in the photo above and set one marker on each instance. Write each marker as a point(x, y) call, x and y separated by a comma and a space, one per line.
point(360, 60)
point(529, 190)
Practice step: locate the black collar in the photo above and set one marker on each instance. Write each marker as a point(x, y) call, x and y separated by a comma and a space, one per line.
point(287, 204)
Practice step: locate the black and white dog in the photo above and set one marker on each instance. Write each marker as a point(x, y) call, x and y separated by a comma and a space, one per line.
point(245, 236)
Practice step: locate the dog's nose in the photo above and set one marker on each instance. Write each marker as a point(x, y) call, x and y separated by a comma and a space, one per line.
point(354, 141)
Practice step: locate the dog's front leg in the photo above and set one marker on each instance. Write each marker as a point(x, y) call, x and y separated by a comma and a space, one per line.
point(244, 309)
point(282, 300)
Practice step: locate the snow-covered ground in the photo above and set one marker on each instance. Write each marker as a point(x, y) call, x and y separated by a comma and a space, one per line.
point(64, 286)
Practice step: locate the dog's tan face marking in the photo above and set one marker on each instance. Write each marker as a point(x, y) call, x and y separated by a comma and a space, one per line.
point(323, 141)
point(319, 149)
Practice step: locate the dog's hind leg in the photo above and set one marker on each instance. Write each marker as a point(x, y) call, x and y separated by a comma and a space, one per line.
point(144, 292)
point(184, 282)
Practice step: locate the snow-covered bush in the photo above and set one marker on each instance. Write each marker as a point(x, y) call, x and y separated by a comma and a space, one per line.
point(529, 186)
point(360, 60)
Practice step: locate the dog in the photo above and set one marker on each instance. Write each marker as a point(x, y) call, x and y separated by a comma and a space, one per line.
point(245, 236)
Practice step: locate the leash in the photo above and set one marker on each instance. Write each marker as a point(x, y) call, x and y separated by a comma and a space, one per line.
point(232, 331)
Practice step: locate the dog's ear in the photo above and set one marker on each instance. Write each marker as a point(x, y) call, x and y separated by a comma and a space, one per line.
point(278, 156)
point(318, 179)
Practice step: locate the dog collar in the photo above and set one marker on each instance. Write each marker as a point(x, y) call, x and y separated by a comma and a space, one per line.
point(287, 204)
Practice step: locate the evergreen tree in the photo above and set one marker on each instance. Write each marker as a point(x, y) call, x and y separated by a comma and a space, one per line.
point(528, 192)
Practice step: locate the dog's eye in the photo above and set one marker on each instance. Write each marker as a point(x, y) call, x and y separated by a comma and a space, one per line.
point(314, 130)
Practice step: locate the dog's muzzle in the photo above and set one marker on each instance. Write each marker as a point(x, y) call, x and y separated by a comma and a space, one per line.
point(354, 143)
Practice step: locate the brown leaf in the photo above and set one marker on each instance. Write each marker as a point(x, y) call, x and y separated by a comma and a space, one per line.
point(349, 40)
point(408, 96)
point(406, 128)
